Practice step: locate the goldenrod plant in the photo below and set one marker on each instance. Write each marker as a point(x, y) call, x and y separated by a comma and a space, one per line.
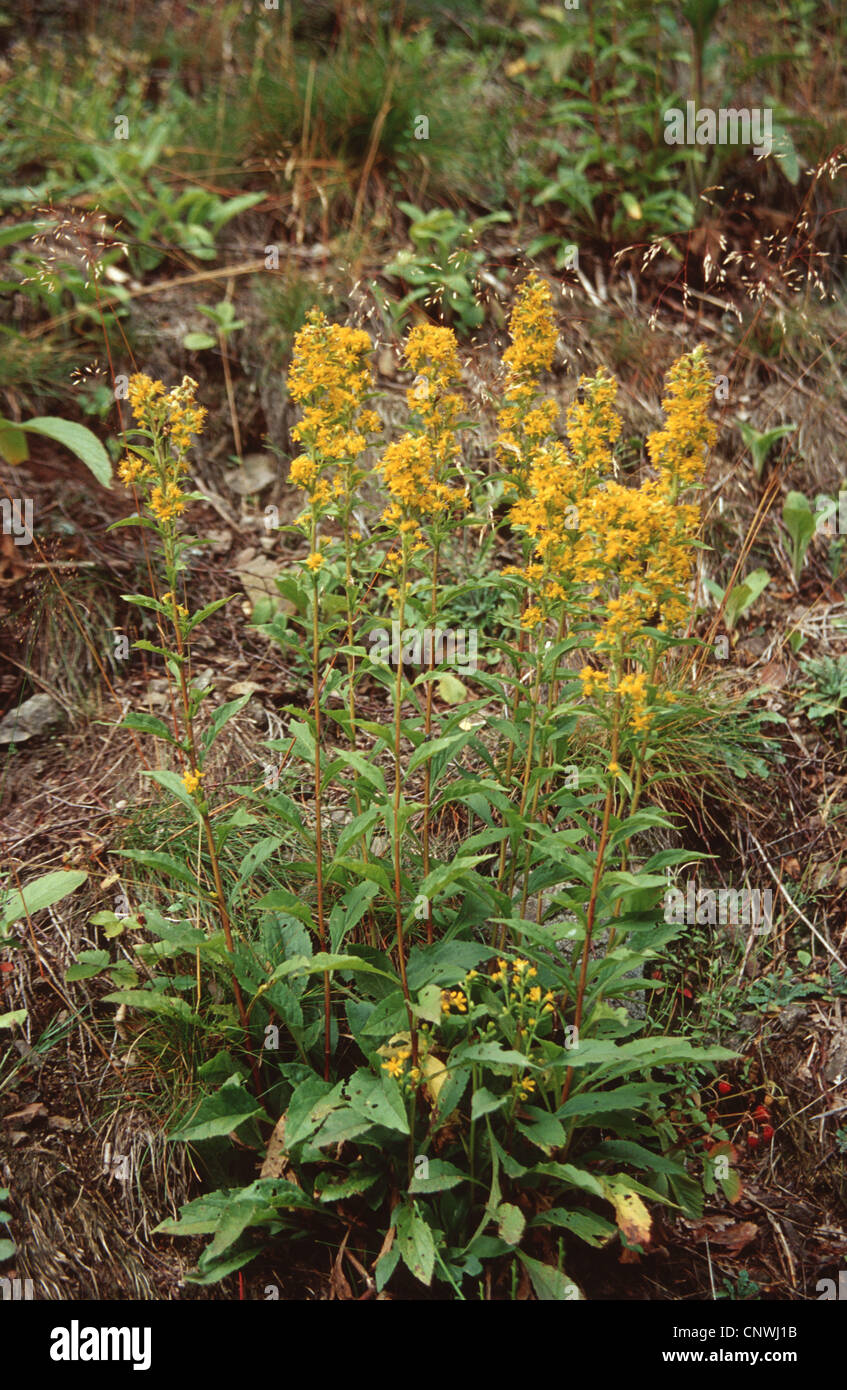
point(435, 1002)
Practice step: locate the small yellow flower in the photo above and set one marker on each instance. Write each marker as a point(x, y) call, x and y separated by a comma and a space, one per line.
point(132, 470)
point(166, 502)
point(191, 780)
point(314, 561)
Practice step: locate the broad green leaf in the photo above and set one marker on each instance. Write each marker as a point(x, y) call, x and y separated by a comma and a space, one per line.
point(220, 1114)
point(378, 1099)
point(438, 1176)
point(415, 1242)
point(149, 1001)
point(594, 1230)
point(42, 892)
point(161, 863)
point(13, 443)
point(79, 440)
point(173, 783)
point(550, 1285)
point(11, 1020)
point(511, 1223)
point(148, 724)
point(89, 964)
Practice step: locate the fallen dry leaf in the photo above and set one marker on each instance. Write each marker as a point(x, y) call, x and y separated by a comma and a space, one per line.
point(36, 1111)
point(731, 1238)
point(277, 1163)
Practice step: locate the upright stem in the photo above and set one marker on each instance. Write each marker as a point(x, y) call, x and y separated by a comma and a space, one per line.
point(427, 730)
point(318, 825)
point(398, 895)
point(595, 888)
point(351, 695)
point(220, 896)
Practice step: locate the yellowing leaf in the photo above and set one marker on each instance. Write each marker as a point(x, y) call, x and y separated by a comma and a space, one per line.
point(633, 1217)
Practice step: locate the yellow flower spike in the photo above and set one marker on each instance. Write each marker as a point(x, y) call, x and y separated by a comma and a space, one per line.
point(314, 561)
point(142, 394)
point(132, 470)
point(167, 502)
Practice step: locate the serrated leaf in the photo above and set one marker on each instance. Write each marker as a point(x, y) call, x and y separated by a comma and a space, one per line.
point(439, 1176)
point(220, 1114)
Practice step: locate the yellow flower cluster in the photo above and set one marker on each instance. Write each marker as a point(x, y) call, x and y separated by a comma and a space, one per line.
point(525, 420)
point(593, 681)
point(142, 394)
point(191, 780)
point(330, 379)
point(167, 502)
point(184, 417)
point(396, 1065)
point(172, 419)
point(678, 449)
point(629, 547)
point(634, 688)
point(453, 999)
point(416, 467)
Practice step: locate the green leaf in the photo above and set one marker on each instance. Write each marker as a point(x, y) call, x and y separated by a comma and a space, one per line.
point(760, 445)
point(89, 964)
point(551, 1285)
point(13, 443)
point(149, 1001)
point(79, 440)
point(440, 1175)
point(594, 1230)
point(328, 1190)
point(415, 1242)
point(203, 613)
point(221, 716)
point(485, 1102)
point(744, 595)
point(173, 783)
point(7, 1250)
point(221, 1268)
point(220, 1114)
point(198, 342)
point(512, 1223)
point(161, 863)
point(451, 690)
point(148, 724)
point(378, 1099)
point(42, 892)
point(11, 1020)
point(800, 522)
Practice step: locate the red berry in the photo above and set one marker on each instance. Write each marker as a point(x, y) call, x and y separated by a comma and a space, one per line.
point(724, 1088)
point(767, 1131)
point(760, 1113)
point(752, 1141)
point(687, 994)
